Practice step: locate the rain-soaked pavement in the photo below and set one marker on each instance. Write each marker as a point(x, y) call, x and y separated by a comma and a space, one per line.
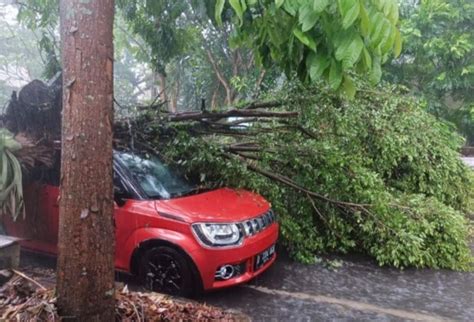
point(359, 290)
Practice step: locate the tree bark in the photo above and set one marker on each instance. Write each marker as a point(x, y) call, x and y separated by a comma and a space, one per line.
point(153, 88)
point(229, 92)
point(85, 273)
point(162, 81)
point(199, 116)
point(215, 94)
point(173, 107)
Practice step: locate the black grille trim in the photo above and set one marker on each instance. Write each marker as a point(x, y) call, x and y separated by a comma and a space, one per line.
point(255, 225)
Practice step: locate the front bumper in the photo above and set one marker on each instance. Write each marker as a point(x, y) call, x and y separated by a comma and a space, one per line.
point(209, 260)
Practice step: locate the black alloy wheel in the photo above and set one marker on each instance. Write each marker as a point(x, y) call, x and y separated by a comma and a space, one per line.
point(164, 269)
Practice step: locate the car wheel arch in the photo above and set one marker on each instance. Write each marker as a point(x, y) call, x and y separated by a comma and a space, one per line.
point(151, 243)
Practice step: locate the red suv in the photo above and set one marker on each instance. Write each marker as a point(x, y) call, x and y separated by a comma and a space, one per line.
point(174, 236)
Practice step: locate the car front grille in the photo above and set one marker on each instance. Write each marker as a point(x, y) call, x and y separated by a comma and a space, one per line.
point(255, 225)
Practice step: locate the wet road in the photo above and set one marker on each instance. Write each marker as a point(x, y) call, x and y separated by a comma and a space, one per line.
point(357, 291)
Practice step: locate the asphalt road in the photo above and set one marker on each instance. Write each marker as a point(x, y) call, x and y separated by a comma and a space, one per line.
point(359, 290)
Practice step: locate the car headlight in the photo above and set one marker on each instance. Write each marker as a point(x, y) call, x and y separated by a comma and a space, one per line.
point(218, 235)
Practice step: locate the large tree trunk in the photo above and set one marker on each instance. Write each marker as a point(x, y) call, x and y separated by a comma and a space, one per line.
point(85, 276)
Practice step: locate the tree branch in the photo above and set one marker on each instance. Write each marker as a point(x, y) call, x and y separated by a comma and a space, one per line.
point(231, 113)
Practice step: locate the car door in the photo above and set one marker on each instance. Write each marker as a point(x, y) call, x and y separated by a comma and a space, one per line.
point(38, 227)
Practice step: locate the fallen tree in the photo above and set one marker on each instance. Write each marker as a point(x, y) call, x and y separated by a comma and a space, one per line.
point(376, 175)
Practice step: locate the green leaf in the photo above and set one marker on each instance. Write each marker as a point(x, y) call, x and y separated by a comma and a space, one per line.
point(235, 4)
point(349, 87)
point(307, 17)
point(305, 39)
point(291, 7)
point(397, 47)
point(376, 72)
point(391, 11)
point(349, 10)
point(377, 22)
point(349, 50)
point(219, 8)
point(342, 42)
point(387, 36)
point(364, 21)
point(243, 3)
point(279, 3)
point(352, 54)
point(366, 58)
point(335, 75)
point(317, 64)
point(320, 5)
point(11, 187)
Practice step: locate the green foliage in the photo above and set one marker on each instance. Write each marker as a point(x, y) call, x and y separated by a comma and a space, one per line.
point(42, 16)
point(401, 188)
point(312, 39)
point(11, 190)
point(158, 23)
point(318, 39)
point(438, 60)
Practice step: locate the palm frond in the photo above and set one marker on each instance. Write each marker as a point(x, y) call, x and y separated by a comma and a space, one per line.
point(11, 189)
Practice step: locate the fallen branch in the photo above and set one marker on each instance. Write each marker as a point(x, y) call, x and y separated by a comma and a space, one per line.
point(268, 104)
point(29, 279)
point(231, 113)
point(287, 181)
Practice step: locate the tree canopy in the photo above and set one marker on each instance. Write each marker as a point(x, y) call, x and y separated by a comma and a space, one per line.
point(312, 39)
point(318, 39)
point(438, 58)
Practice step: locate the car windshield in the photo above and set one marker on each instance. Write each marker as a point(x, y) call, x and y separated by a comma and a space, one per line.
point(155, 178)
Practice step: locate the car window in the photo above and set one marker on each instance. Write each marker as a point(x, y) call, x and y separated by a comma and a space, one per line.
point(155, 178)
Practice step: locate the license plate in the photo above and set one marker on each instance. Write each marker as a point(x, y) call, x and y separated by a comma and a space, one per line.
point(264, 257)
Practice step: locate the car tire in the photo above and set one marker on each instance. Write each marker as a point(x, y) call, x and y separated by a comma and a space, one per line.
point(166, 270)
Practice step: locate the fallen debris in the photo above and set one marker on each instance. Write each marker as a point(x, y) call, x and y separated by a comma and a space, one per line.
point(24, 299)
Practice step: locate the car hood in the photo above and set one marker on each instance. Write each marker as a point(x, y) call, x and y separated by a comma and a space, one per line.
point(221, 205)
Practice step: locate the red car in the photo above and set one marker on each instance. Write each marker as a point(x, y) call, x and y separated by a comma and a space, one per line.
point(175, 237)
